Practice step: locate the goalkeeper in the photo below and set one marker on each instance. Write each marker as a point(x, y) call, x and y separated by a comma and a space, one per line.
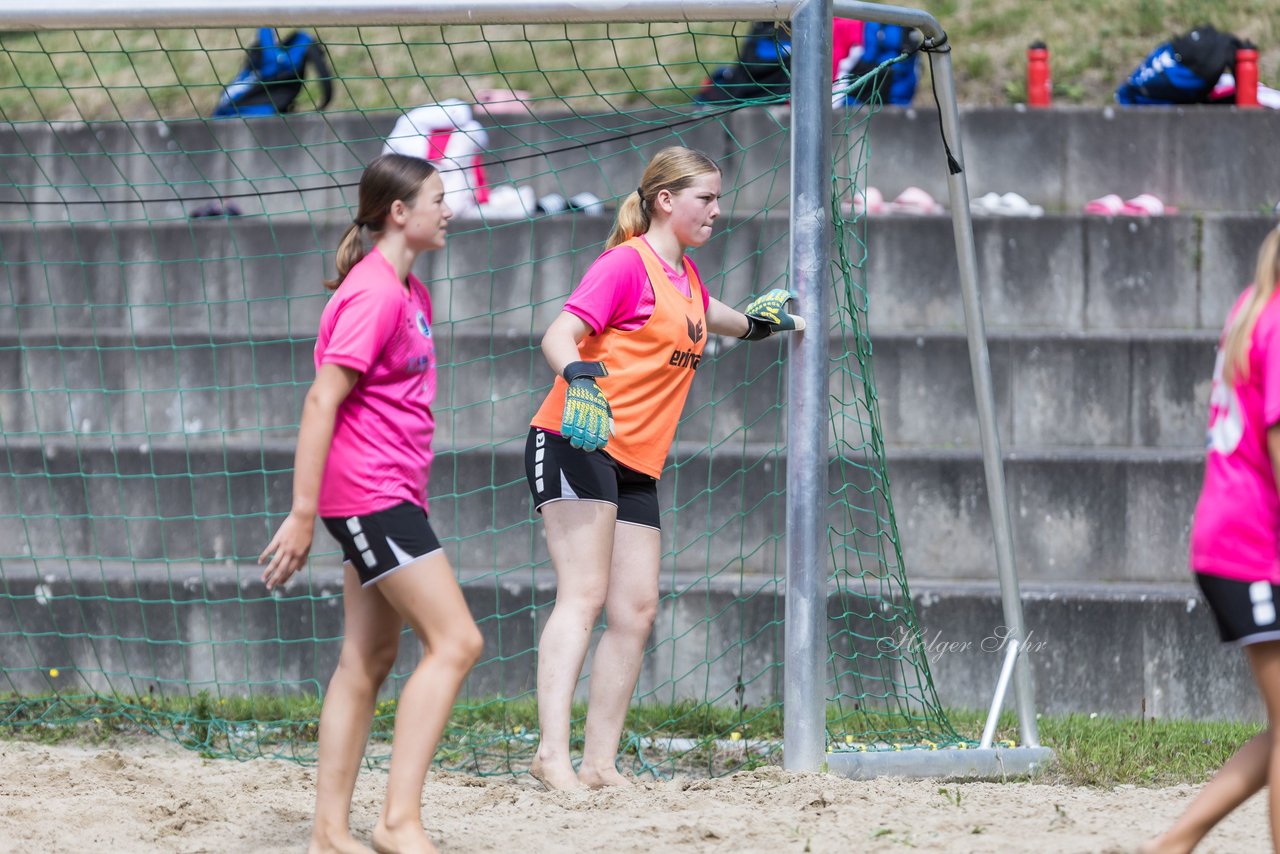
point(624, 351)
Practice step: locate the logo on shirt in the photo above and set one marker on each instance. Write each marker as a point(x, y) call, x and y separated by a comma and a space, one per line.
point(418, 355)
point(695, 332)
point(685, 359)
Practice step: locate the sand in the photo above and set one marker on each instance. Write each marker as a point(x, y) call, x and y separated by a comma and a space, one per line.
point(148, 795)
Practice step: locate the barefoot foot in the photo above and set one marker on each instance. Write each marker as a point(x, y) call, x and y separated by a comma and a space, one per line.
point(600, 778)
point(554, 776)
point(407, 839)
point(337, 843)
point(1162, 845)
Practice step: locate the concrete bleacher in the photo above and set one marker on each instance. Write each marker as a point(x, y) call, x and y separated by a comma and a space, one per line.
point(1192, 157)
point(172, 347)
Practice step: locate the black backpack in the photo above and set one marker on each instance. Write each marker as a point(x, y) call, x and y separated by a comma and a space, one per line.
point(272, 76)
point(763, 69)
point(1183, 70)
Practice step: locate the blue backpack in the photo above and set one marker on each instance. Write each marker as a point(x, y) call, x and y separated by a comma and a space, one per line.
point(880, 43)
point(1181, 71)
point(272, 76)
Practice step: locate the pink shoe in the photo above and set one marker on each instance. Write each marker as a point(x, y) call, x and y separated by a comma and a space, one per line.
point(1108, 205)
point(1147, 205)
point(914, 200)
point(870, 202)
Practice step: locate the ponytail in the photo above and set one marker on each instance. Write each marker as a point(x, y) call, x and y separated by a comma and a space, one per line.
point(1235, 352)
point(671, 169)
point(350, 251)
point(633, 220)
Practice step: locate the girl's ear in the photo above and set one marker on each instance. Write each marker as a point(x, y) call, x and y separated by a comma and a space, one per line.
point(664, 201)
point(398, 213)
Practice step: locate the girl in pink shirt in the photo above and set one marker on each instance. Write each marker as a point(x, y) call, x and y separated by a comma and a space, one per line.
point(631, 336)
point(363, 458)
point(1235, 541)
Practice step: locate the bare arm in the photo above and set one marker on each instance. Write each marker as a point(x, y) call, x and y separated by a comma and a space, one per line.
point(292, 542)
point(723, 320)
point(560, 343)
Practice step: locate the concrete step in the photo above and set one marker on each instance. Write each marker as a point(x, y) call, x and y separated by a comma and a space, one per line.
point(1058, 273)
point(1060, 158)
point(1118, 649)
point(1105, 389)
point(295, 165)
point(1078, 514)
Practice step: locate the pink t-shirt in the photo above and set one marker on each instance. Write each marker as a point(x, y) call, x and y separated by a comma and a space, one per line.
point(616, 293)
point(1236, 531)
point(381, 451)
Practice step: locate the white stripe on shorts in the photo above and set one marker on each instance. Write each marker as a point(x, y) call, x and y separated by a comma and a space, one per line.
point(402, 556)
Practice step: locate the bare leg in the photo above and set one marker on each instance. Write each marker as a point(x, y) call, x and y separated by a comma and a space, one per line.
point(580, 539)
point(1238, 780)
point(427, 596)
point(1253, 766)
point(1264, 660)
point(630, 608)
point(371, 637)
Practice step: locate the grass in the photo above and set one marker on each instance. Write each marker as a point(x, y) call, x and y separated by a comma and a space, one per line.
point(173, 74)
point(1104, 751)
point(144, 75)
point(1091, 750)
point(1093, 44)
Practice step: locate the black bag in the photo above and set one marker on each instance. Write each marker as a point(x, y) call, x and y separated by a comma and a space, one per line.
point(763, 69)
point(1183, 70)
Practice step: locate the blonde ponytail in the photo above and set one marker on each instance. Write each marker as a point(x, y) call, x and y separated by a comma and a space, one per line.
point(671, 169)
point(350, 251)
point(633, 219)
point(1235, 353)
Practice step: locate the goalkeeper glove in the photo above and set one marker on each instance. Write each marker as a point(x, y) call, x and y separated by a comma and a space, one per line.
point(587, 421)
point(767, 314)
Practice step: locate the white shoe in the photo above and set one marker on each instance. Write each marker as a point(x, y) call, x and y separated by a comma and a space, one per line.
point(1009, 204)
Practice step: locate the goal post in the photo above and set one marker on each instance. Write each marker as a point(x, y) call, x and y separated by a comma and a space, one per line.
point(810, 208)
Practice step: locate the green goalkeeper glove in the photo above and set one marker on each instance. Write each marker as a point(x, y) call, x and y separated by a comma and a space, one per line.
point(767, 314)
point(587, 421)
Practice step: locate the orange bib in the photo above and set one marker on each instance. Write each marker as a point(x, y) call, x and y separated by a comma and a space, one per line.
point(650, 370)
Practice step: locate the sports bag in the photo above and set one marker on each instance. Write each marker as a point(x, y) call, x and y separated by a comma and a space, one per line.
point(273, 74)
point(1181, 71)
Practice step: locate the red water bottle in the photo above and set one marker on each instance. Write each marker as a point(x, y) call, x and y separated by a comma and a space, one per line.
point(1039, 86)
point(1247, 76)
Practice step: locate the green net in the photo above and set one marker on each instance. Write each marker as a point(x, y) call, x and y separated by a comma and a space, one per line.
point(163, 273)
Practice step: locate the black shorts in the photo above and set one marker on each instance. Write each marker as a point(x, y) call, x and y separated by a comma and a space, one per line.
point(382, 542)
point(1244, 610)
point(557, 471)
